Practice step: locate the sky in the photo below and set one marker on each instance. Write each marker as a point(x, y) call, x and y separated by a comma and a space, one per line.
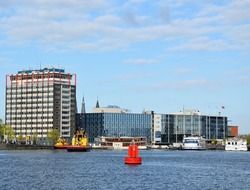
point(161, 55)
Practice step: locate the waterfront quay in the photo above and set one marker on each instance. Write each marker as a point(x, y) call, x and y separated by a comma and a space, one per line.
point(24, 147)
point(55, 169)
point(49, 147)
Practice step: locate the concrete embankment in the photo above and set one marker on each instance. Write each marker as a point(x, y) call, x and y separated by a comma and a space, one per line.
point(215, 147)
point(24, 147)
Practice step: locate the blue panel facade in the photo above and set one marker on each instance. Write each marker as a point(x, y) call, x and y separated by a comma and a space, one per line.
point(115, 125)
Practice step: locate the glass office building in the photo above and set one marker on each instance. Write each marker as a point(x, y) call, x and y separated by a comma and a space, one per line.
point(175, 126)
point(115, 124)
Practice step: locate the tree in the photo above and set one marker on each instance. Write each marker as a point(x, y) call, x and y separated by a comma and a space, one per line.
point(53, 135)
point(1, 132)
point(34, 137)
point(20, 138)
point(8, 133)
point(1, 129)
point(248, 139)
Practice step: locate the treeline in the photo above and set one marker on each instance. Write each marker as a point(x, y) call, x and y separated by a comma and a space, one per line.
point(7, 135)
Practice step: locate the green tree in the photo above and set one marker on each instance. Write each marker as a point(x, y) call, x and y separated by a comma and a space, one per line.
point(248, 139)
point(35, 137)
point(20, 138)
point(8, 133)
point(53, 135)
point(1, 132)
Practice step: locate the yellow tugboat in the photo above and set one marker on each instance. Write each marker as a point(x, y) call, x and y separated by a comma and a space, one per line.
point(79, 142)
point(61, 144)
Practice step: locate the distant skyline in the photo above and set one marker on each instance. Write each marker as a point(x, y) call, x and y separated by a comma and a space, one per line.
point(159, 55)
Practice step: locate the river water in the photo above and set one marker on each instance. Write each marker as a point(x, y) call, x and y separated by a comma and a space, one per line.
point(105, 170)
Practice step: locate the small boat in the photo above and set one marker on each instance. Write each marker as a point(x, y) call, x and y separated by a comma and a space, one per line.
point(79, 142)
point(61, 144)
point(120, 143)
point(236, 144)
point(193, 143)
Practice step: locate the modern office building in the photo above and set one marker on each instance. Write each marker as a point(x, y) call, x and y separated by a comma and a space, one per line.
point(115, 125)
point(40, 100)
point(191, 122)
point(157, 128)
point(112, 122)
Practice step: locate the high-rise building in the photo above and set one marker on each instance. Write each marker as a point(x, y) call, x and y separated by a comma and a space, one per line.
point(40, 100)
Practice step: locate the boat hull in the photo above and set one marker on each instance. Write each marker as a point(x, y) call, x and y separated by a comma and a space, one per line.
point(78, 148)
point(193, 148)
point(61, 147)
point(236, 148)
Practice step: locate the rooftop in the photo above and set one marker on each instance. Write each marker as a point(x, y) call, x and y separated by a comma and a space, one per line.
point(42, 70)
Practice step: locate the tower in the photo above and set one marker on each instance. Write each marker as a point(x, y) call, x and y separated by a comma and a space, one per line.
point(38, 101)
point(83, 106)
point(97, 104)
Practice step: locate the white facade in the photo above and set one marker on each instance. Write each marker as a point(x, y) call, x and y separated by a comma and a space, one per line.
point(109, 109)
point(157, 128)
point(39, 100)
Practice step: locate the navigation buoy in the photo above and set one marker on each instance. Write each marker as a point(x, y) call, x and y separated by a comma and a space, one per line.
point(133, 155)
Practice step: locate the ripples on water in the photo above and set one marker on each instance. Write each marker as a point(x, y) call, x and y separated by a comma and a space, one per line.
point(106, 170)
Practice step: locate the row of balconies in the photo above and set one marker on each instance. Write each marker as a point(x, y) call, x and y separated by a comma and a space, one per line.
point(29, 88)
point(29, 92)
point(35, 108)
point(49, 115)
point(23, 111)
point(29, 106)
point(28, 120)
point(45, 131)
point(32, 112)
point(25, 100)
point(32, 126)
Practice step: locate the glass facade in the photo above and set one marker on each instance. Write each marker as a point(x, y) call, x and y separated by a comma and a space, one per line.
point(175, 126)
point(115, 125)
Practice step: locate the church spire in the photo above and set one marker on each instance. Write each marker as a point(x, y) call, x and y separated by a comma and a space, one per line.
point(83, 106)
point(97, 104)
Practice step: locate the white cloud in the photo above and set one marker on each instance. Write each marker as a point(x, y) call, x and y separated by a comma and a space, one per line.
point(202, 44)
point(107, 25)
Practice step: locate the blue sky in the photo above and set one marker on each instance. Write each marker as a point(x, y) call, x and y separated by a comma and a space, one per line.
point(139, 54)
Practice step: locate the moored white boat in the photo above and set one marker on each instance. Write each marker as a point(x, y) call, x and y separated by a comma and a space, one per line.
point(236, 144)
point(193, 143)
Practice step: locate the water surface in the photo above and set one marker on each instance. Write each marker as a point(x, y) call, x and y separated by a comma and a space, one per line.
point(106, 170)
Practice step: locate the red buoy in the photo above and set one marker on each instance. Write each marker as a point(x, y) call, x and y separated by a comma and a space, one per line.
point(133, 155)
